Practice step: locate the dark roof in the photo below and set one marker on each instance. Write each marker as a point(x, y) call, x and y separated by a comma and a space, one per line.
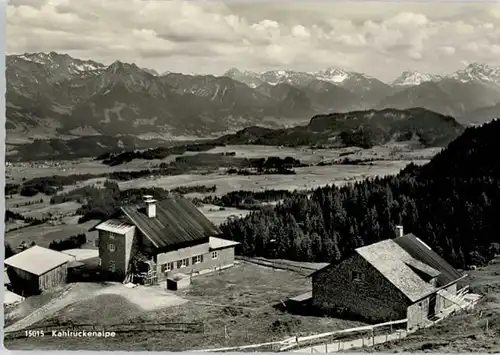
point(422, 252)
point(177, 221)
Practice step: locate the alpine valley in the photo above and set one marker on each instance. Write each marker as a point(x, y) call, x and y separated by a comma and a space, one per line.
point(51, 94)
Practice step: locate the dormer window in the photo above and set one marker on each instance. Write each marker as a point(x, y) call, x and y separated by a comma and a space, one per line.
point(357, 276)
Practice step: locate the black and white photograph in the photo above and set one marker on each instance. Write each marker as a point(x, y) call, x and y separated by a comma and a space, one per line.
point(252, 176)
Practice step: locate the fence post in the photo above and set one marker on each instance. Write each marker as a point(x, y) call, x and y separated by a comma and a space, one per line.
point(326, 348)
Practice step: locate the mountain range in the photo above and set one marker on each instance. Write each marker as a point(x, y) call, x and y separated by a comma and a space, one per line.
point(53, 94)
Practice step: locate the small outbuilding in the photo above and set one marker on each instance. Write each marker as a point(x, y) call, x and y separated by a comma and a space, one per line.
point(37, 269)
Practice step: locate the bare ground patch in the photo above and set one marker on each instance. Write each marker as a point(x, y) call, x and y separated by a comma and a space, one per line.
point(239, 299)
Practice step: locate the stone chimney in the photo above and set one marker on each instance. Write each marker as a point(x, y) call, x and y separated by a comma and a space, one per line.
point(150, 206)
point(399, 230)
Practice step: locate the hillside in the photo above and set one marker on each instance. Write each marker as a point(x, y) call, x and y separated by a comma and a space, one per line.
point(451, 203)
point(481, 115)
point(81, 147)
point(448, 97)
point(57, 94)
point(358, 128)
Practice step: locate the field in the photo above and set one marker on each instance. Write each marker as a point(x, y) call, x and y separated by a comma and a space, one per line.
point(388, 159)
point(239, 300)
point(44, 234)
point(16, 171)
point(305, 178)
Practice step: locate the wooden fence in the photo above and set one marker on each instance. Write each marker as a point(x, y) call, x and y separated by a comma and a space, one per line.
point(278, 264)
point(195, 327)
point(300, 342)
point(347, 334)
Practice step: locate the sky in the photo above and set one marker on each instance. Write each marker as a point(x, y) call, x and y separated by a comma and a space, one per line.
point(381, 39)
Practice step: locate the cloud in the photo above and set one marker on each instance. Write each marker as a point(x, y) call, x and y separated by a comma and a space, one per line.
point(207, 36)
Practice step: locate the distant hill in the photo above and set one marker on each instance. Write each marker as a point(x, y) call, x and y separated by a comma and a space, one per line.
point(448, 97)
point(481, 115)
point(81, 147)
point(357, 128)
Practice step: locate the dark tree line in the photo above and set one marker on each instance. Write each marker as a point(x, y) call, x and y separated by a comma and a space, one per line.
point(452, 203)
point(102, 203)
point(11, 216)
point(247, 199)
point(154, 153)
point(73, 242)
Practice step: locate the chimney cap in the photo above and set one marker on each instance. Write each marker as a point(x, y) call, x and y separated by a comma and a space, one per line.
point(149, 201)
point(147, 197)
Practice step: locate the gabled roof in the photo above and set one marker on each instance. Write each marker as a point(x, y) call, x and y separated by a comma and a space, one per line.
point(37, 260)
point(393, 262)
point(177, 221)
point(115, 226)
point(398, 266)
point(219, 243)
point(422, 252)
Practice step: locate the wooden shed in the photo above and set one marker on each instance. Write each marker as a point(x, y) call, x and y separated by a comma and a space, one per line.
point(37, 269)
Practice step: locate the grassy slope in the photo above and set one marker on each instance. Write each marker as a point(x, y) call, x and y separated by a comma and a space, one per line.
point(240, 298)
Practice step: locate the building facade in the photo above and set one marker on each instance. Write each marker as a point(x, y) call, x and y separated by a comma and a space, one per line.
point(354, 289)
point(37, 269)
point(172, 235)
point(390, 280)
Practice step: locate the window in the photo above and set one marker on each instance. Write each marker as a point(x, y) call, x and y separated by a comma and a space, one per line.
point(167, 267)
point(111, 247)
point(215, 254)
point(182, 263)
point(357, 276)
point(197, 259)
point(111, 266)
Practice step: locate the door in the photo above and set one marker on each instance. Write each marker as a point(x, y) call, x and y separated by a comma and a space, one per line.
point(431, 312)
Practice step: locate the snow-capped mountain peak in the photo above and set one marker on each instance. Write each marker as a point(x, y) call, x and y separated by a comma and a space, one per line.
point(476, 71)
point(411, 78)
point(244, 76)
point(332, 75)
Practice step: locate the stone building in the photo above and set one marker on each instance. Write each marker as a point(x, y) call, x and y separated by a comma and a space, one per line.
point(394, 279)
